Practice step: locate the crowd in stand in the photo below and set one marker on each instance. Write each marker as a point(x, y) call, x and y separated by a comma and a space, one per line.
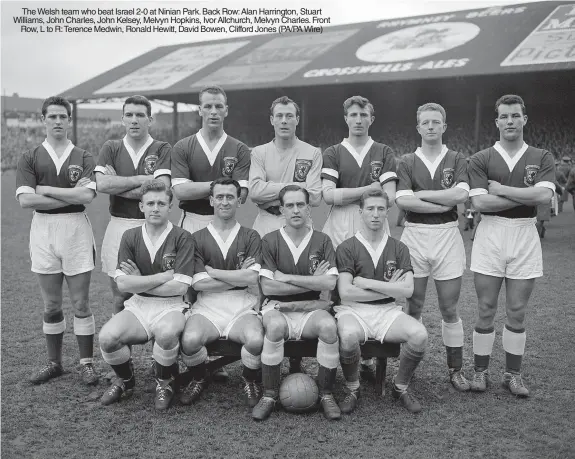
point(551, 133)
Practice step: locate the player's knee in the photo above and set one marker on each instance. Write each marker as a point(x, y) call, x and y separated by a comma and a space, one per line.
point(417, 337)
point(191, 341)
point(167, 338)
point(109, 340)
point(449, 312)
point(347, 339)
point(275, 328)
point(81, 306)
point(52, 306)
point(516, 318)
point(254, 341)
point(327, 329)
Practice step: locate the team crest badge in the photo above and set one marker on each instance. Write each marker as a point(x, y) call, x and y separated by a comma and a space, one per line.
point(302, 167)
point(150, 164)
point(530, 173)
point(314, 260)
point(74, 173)
point(376, 167)
point(168, 261)
point(390, 267)
point(241, 258)
point(229, 165)
point(447, 178)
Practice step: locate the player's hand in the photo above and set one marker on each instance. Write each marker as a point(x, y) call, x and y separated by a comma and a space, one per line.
point(169, 275)
point(130, 268)
point(375, 186)
point(360, 282)
point(398, 276)
point(495, 188)
point(249, 261)
point(209, 270)
point(110, 170)
point(322, 268)
point(84, 181)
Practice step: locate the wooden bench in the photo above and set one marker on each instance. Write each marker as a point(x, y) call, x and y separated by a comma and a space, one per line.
point(229, 352)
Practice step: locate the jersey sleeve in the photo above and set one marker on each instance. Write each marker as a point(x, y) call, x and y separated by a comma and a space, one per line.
point(163, 165)
point(461, 175)
point(241, 172)
point(125, 252)
point(254, 250)
point(403, 258)
point(330, 166)
point(88, 170)
point(546, 175)
point(105, 156)
point(344, 259)
point(388, 173)
point(313, 179)
point(179, 164)
point(25, 176)
point(329, 256)
point(269, 265)
point(184, 265)
point(199, 266)
point(477, 171)
point(405, 184)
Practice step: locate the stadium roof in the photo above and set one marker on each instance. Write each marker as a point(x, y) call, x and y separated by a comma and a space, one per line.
point(514, 39)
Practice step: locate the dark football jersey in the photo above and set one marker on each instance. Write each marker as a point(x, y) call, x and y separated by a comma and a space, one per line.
point(416, 173)
point(529, 167)
point(153, 159)
point(211, 250)
point(350, 169)
point(173, 250)
point(193, 161)
point(41, 166)
point(280, 253)
point(356, 256)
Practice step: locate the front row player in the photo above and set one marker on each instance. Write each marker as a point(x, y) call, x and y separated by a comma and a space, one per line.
point(298, 263)
point(154, 262)
point(55, 180)
point(226, 263)
point(373, 269)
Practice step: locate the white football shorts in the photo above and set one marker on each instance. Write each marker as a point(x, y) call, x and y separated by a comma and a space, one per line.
point(507, 247)
point(223, 309)
point(296, 320)
point(435, 250)
point(150, 310)
point(343, 222)
point(62, 243)
point(374, 319)
point(194, 222)
point(112, 238)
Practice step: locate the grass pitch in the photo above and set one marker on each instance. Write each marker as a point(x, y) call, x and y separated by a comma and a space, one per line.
point(63, 419)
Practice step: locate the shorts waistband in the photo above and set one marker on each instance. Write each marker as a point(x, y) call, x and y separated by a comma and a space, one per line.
point(159, 300)
point(509, 222)
point(453, 224)
point(127, 220)
point(202, 217)
point(59, 216)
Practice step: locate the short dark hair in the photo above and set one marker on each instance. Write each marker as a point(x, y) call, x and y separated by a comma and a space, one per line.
point(225, 181)
point(284, 100)
point(373, 194)
point(56, 100)
point(138, 100)
point(156, 185)
point(289, 188)
point(431, 107)
point(358, 100)
point(212, 89)
point(510, 99)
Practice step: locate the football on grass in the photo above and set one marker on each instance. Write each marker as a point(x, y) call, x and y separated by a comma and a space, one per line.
point(299, 393)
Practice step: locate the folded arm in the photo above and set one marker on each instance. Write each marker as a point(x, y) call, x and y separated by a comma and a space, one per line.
point(76, 195)
point(236, 277)
point(342, 196)
point(415, 204)
point(533, 196)
point(170, 288)
point(129, 283)
point(191, 191)
point(349, 292)
point(39, 202)
point(402, 288)
point(273, 287)
point(450, 197)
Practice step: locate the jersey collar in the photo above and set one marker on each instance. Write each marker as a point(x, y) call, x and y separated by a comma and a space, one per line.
point(153, 248)
point(137, 156)
point(211, 154)
point(296, 251)
point(432, 166)
point(224, 246)
point(359, 157)
point(374, 254)
point(511, 162)
point(58, 162)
